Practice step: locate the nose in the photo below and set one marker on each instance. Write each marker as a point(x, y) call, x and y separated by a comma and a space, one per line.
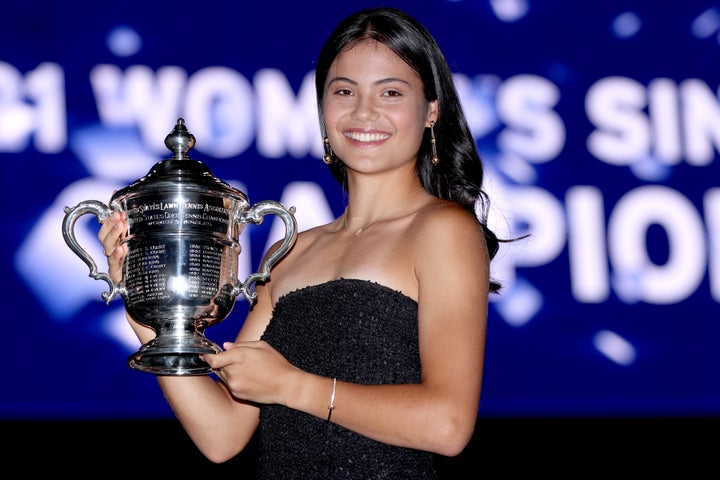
point(365, 108)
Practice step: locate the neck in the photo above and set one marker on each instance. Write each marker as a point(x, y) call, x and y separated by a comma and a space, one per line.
point(386, 215)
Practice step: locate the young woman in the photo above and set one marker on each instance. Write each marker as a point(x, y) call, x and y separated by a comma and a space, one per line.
point(363, 355)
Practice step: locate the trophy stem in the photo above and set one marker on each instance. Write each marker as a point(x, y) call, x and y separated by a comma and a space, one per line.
point(174, 353)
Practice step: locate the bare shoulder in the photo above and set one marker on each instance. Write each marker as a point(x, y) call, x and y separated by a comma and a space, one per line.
point(445, 239)
point(303, 265)
point(449, 247)
point(306, 243)
point(445, 220)
point(305, 237)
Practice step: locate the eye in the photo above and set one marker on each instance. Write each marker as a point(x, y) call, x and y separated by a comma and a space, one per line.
point(343, 91)
point(392, 93)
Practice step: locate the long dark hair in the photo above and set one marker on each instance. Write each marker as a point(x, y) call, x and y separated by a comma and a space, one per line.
point(459, 174)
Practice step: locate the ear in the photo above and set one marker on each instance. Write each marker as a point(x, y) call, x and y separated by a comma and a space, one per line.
point(432, 114)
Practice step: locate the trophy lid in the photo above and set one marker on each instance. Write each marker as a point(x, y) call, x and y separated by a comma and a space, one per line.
point(167, 175)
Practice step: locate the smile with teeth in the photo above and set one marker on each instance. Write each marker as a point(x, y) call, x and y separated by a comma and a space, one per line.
point(366, 137)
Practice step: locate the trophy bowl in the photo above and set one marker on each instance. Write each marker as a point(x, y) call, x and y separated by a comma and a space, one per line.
point(180, 275)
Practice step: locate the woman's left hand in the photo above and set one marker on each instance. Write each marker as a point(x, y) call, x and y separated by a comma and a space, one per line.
point(252, 371)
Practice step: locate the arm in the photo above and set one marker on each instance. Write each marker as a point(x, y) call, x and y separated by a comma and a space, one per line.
point(439, 414)
point(218, 424)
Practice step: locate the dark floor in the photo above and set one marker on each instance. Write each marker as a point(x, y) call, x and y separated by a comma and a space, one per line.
point(501, 448)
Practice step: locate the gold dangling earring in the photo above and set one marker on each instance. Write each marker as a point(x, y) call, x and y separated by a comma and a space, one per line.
point(434, 159)
point(328, 157)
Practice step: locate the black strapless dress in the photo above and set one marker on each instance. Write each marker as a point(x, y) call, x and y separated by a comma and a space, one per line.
point(360, 332)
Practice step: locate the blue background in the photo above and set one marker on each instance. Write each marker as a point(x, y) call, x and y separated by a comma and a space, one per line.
point(633, 350)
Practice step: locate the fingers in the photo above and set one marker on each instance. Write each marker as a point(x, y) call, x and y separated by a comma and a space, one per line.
point(112, 236)
point(234, 354)
point(217, 361)
point(112, 233)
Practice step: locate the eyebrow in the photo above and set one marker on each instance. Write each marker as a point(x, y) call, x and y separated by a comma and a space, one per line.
point(379, 82)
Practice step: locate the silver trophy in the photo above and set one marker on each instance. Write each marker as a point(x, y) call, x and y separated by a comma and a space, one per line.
point(180, 275)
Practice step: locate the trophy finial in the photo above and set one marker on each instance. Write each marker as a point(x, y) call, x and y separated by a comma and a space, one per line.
point(180, 141)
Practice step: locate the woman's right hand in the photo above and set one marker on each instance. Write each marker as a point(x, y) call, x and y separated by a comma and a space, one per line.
point(111, 236)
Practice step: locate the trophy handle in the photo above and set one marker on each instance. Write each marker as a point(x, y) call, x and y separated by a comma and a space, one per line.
point(102, 212)
point(255, 215)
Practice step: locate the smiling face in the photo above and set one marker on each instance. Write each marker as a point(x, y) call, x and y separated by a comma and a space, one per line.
point(374, 109)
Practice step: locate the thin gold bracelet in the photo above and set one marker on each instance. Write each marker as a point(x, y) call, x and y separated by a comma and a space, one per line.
point(331, 407)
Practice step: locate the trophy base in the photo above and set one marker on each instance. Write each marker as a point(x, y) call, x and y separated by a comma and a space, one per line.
point(163, 357)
